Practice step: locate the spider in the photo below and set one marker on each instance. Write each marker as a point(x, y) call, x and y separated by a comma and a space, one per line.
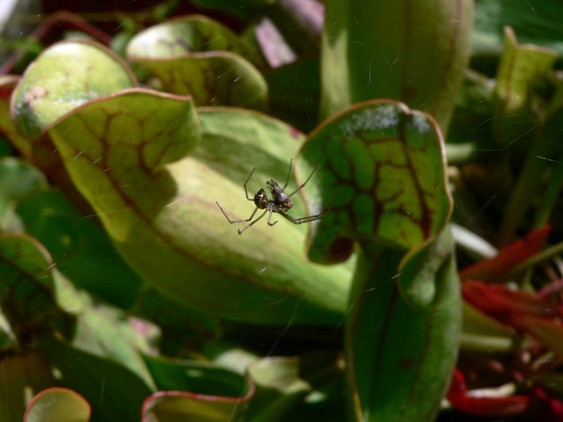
point(280, 203)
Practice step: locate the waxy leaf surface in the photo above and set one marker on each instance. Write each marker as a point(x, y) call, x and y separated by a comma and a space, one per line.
point(58, 404)
point(280, 389)
point(78, 245)
point(42, 306)
point(19, 179)
point(397, 354)
point(522, 71)
point(411, 51)
point(200, 57)
point(88, 374)
point(28, 295)
point(381, 174)
point(64, 76)
point(161, 213)
point(167, 406)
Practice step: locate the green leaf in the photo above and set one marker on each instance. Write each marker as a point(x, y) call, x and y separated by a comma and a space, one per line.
point(29, 294)
point(536, 22)
point(196, 377)
point(185, 35)
point(79, 245)
point(38, 301)
point(474, 108)
point(19, 180)
point(383, 178)
point(117, 393)
point(483, 334)
point(295, 103)
point(414, 52)
point(162, 217)
point(398, 355)
point(419, 267)
point(181, 406)
point(106, 333)
point(58, 404)
point(182, 327)
point(523, 74)
point(280, 389)
point(66, 75)
point(200, 57)
point(524, 103)
point(553, 165)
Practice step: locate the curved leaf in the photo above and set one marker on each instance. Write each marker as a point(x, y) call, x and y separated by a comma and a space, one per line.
point(200, 57)
point(166, 224)
point(498, 267)
point(78, 245)
point(66, 75)
point(280, 389)
point(383, 179)
point(178, 405)
point(412, 51)
point(522, 70)
point(119, 151)
point(181, 327)
point(185, 35)
point(382, 174)
point(28, 294)
point(399, 355)
point(196, 377)
point(117, 392)
point(19, 180)
point(523, 121)
point(536, 23)
point(58, 404)
point(106, 334)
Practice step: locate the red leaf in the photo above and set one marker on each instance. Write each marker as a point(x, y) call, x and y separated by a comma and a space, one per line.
point(508, 257)
point(501, 303)
point(462, 400)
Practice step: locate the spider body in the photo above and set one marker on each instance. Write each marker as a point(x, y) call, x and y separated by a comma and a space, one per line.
point(280, 203)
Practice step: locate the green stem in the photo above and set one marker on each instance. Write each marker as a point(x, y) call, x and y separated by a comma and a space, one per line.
point(525, 191)
point(537, 259)
point(552, 194)
point(485, 344)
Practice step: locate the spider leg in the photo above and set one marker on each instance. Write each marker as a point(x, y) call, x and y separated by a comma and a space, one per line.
point(245, 220)
point(245, 190)
point(288, 173)
point(304, 183)
point(269, 218)
point(240, 231)
point(306, 219)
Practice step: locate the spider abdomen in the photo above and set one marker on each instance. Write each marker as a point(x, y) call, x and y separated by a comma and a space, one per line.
point(261, 199)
